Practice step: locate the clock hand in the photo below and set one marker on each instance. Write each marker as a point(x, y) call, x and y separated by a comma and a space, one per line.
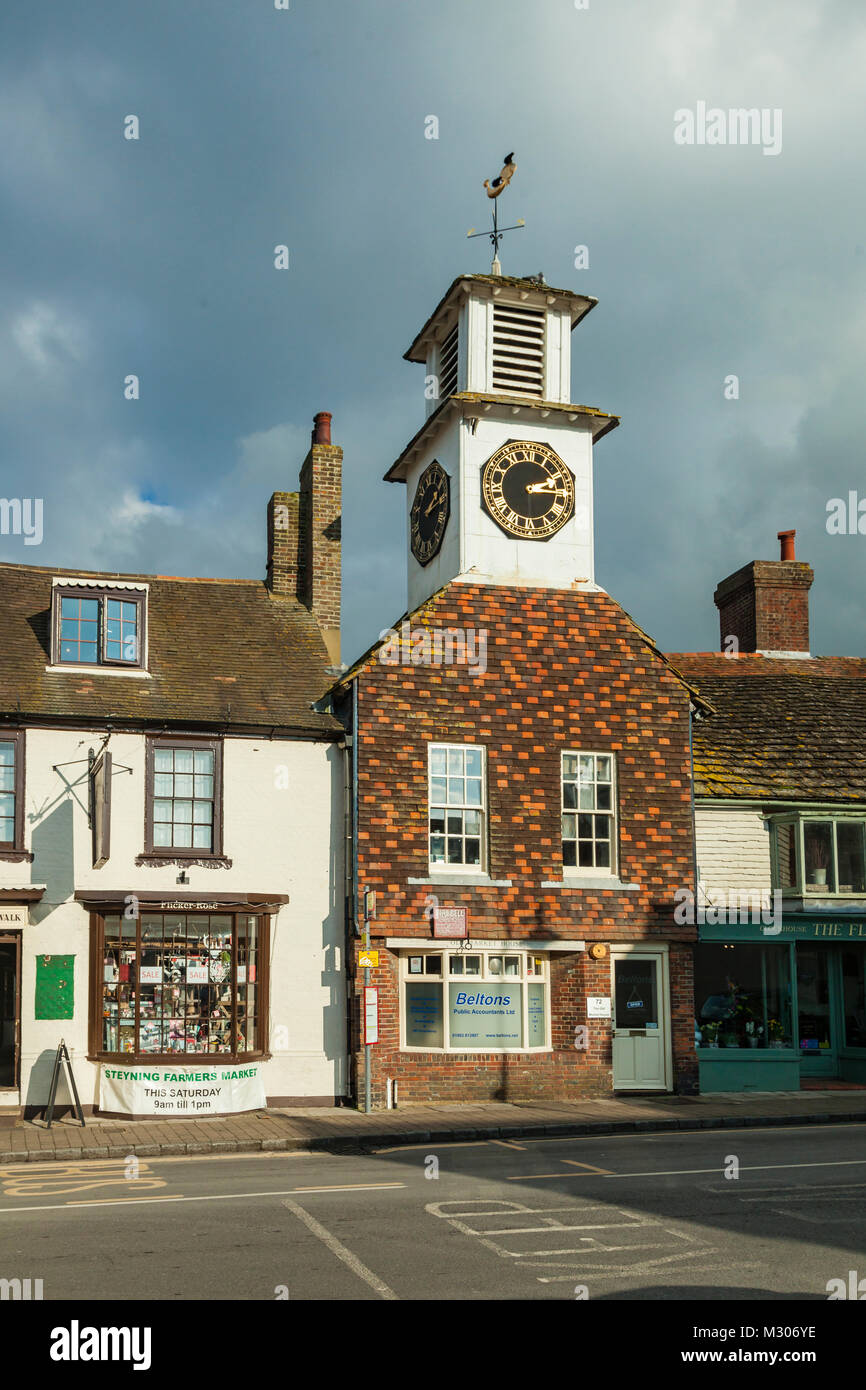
point(435, 503)
point(545, 487)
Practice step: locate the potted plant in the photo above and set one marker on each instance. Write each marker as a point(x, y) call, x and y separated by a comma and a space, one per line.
point(709, 1031)
point(777, 1033)
point(817, 857)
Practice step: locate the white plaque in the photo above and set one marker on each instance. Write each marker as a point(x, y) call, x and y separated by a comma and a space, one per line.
point(598, 1006)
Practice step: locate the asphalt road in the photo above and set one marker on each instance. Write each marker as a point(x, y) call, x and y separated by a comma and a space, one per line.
point(615, 1217)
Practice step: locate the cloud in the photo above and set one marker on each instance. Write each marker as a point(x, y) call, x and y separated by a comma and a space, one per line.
point(48, 338)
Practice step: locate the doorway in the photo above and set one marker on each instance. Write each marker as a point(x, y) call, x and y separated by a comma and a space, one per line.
point(9, 957)
point(641, 1032)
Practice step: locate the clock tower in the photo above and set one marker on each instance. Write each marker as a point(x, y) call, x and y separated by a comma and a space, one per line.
point(499, 476)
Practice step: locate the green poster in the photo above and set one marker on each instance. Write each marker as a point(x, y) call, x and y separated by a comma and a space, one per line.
point(55, 992)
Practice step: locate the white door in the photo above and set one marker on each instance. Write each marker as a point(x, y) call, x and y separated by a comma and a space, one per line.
point(641, 1032)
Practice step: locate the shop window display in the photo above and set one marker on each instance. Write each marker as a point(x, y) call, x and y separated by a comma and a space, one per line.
point(742, 996)
point(175, 983)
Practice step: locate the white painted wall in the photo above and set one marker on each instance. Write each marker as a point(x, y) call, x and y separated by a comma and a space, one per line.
point(733, 852)
point(280, 840)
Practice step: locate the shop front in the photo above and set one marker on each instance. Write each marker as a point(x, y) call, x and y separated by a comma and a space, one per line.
point(179, 1004)
point(780, 1005)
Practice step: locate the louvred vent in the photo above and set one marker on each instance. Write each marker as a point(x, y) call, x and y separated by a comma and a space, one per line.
point(518, 350)
point(448, 365)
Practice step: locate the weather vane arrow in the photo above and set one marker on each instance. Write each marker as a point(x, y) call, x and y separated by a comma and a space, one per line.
point(494, 188)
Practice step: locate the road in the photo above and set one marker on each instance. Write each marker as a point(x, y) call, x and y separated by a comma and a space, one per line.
point(613, 1217)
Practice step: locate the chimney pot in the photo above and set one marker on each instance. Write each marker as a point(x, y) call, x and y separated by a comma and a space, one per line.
point(322, 427)
point(787, 539)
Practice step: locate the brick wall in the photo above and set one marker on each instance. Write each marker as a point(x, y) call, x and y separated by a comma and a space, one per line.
point(565, 670)
point(765, 605)
point(304, 541)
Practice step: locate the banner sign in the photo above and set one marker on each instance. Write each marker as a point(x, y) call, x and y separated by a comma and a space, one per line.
point(166, 1090)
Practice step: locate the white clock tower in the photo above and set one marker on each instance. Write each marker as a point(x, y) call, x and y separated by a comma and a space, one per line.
point(499, 476)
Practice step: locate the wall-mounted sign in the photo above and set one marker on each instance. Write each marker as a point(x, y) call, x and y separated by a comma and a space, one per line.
point(100, 809)
point(14, 916)
point(371, 1014)
point(450, 922)
point(597, 1006)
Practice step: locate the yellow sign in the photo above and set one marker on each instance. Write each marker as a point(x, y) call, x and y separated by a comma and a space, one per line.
point(368, 960)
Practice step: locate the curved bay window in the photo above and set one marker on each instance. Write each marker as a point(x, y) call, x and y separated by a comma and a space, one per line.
point(187, 983)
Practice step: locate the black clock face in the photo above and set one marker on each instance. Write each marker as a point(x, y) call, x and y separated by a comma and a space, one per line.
point(430, 512)
point(527, 490)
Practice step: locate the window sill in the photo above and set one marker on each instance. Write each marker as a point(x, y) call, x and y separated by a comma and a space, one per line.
point(460, 880)
point(156, 860)
point(95, 669)
point(16, 856)
point(609, 883)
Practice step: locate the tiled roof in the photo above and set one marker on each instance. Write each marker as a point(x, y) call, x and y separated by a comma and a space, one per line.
point(783, 729)
point(221, 651)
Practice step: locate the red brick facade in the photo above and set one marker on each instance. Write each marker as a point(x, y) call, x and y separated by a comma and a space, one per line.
point(565, 671)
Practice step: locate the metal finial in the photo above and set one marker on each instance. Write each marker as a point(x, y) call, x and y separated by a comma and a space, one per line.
point(494, 188)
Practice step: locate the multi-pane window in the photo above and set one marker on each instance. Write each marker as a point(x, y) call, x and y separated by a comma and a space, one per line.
point(588, 811)
point(819, 857)
point(10, 791)
point(475, 1001)
point(79, 629)
point(181, 983)
point(183, 798)
point(94, 628)
point(456, 802)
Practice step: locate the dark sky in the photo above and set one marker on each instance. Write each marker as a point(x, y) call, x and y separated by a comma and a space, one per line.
point(307, 127)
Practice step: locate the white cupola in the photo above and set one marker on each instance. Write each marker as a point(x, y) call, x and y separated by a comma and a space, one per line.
point(499, 476)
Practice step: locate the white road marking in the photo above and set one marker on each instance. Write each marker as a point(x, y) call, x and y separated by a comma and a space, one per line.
point(686, 1172)
point(341, 1251)
point(216, 1197)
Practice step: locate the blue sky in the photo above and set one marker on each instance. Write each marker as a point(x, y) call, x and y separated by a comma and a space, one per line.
point(307, 127)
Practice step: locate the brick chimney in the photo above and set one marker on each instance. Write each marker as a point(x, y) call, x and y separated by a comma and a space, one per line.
point(304, 536)
point(765, 605)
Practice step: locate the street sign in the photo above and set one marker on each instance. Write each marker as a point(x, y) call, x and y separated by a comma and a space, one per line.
point(368, 960)
point(370, 904)
point(449, 922)
point(371, 1015)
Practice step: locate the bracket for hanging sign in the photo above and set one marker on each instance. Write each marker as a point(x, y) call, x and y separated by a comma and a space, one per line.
point(62, 1059)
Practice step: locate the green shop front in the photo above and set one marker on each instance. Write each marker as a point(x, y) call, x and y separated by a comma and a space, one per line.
point(779, 1005)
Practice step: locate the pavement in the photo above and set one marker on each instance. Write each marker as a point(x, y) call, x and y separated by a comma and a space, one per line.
point(346, 1130)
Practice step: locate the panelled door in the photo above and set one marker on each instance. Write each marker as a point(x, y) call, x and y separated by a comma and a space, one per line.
point(641, 1027)
point(9, 951)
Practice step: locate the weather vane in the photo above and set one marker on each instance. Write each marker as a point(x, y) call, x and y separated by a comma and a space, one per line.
point(494, 188)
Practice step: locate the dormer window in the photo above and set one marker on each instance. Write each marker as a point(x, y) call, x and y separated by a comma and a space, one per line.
point(98, 626)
